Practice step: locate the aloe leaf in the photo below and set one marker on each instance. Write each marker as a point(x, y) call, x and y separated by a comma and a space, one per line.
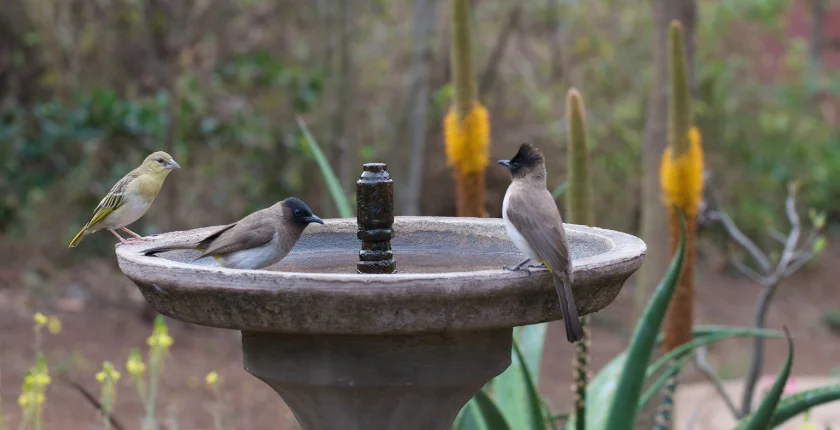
point(469, 418)
point(340, 200)
point(662, 380)
point(723, 333)
point(761, 418)
point(794, 405)
point(493, 418)
point(509, 391)
point(624, 408)
point(535, 402)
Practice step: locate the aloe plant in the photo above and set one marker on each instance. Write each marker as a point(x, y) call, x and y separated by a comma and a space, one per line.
point(615, 394)
point(340, 200)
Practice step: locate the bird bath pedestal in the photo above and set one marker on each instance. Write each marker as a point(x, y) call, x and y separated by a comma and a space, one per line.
point(398, 351)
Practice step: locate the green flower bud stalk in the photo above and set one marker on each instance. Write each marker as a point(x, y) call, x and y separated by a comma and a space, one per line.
point(580, 211)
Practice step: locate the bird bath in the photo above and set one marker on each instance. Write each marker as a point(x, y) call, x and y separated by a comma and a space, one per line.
point(358, 351)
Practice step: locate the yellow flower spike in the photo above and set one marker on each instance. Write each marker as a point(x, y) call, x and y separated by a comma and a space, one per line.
point(682, 176)
point(212, 378)
point(23, 400)
point(40, 320)
point(54, 325)
point(135, 366)
point(100, 376)
point(467, 139)
point(41, 380)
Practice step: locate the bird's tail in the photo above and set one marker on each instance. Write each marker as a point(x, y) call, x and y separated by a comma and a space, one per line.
point(78, 238)
point(172, 247)
point(563, 283)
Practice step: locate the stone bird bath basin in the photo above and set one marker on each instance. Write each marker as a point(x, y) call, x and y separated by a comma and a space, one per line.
point(402, 351)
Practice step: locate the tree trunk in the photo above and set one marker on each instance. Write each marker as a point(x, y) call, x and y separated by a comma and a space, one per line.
point(654, 215)
point(424, 25)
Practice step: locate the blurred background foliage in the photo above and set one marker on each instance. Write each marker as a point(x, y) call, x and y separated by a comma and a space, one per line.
point(88, 88)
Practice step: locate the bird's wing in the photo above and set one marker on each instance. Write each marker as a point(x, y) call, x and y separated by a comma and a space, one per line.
point(113, 200)
point(252, 231)
point(537, 219)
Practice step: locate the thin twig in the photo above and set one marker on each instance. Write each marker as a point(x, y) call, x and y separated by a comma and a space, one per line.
point(92, 400)
point(706, 369)
point(748, 272)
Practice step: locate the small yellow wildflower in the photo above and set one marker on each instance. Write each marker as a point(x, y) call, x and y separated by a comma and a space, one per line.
point(40, 320)
point(23, 400)
point(109, 372)
point(41, 380)
point(135, 366)
point(212, 378)
point(54, 325)
point(162, 340)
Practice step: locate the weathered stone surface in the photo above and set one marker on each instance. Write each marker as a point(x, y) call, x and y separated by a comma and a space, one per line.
point(450, 279)
point(354, 351)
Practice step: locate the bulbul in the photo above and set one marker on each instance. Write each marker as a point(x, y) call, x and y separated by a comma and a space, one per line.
point(129, 198)
point(259, 240)
point(534, 225)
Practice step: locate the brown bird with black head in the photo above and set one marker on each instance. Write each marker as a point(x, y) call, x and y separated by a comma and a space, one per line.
point(533, 223)
point(259, 240)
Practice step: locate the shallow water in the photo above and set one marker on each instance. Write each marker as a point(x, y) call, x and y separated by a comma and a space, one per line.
point(414, 251)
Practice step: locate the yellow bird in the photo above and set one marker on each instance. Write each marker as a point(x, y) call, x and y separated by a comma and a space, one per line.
point(130, 198)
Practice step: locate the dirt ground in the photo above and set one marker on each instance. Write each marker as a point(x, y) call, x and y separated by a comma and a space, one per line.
point(101, 314)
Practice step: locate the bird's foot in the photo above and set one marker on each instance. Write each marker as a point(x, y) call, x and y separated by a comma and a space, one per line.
point(518, 267)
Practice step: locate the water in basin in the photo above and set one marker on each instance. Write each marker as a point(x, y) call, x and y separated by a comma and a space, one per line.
point(416, 251)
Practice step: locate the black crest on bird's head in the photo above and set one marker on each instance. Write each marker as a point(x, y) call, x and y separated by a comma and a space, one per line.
point(527, 158)
point(299, 213)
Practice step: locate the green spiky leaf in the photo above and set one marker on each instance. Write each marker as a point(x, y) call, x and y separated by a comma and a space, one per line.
point(624, 409)
point(762, 417)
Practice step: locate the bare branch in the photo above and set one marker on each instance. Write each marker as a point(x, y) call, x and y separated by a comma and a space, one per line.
point(795, 231)
point(776, 234)
point(797, 263)
point(749, 272)
point(706, 369)
point(741, 239)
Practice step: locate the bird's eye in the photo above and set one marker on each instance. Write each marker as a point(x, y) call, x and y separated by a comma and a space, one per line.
point(514, 165)
point(160, 160)
point(298, 212)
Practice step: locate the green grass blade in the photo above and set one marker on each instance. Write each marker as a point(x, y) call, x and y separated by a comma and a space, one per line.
point(760, 419)
point(662, 380)
point(624, 408)
point(723, 333)
point(493, 418)
point(340, 200)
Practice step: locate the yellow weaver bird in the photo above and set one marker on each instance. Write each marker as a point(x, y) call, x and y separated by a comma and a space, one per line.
point(130, 198)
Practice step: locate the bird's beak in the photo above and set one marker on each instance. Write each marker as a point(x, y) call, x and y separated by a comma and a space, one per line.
point(505, 163)
point(315, 218)
point(172, 164)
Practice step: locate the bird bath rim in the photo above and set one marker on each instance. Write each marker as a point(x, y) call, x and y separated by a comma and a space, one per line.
point(354, 303)
point(623, 246)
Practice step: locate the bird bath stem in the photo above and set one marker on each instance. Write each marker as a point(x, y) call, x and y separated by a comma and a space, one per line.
point(351, 344)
